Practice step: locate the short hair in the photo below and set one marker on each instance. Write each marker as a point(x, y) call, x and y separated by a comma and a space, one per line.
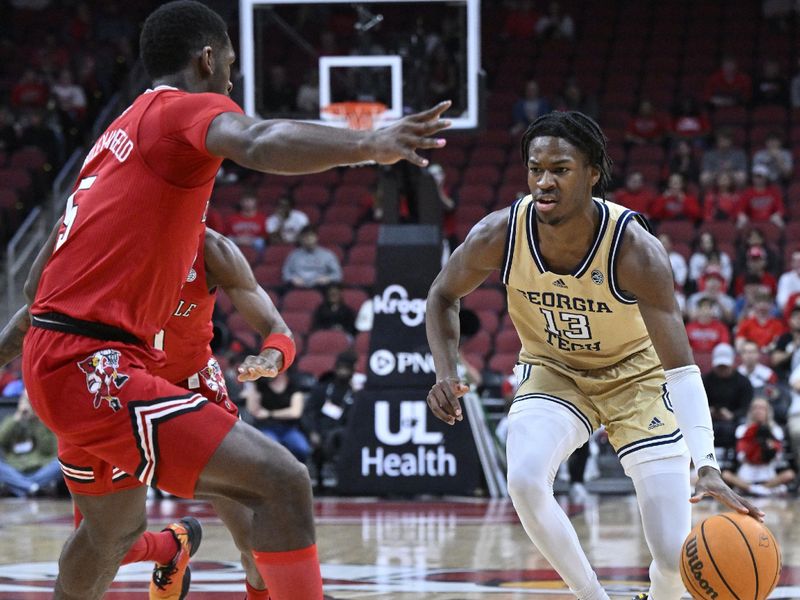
point(176, 31)
point(581, 131)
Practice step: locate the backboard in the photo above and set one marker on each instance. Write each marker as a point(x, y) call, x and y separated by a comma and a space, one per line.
point(298, 57)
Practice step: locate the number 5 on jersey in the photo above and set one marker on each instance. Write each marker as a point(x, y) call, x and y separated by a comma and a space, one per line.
point(71, 212)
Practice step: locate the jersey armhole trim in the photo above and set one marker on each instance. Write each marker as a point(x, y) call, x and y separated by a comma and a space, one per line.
point(511, 241)
point(616, 243)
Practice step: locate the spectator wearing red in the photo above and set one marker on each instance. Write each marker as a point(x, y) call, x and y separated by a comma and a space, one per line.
point(30, 91)
point(647, 126)
point(760, 327)
point(755, 268)
point(723, 202)
point(675, 203)
point(248, 226)
point(689, 121)
point(762, 201)
point(521, 19)
point(728, 86)
point(636, 195)
point(705, 331)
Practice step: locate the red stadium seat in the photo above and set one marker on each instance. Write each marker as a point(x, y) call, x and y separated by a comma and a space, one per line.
point(488, 174)
point(335, 234)
point(15, 179)
point(316, 364)
point(475, 194)
point(268, 275)
point(358, 275)
point(330, 341)
point(680, 231)
point(480, 343)
point(354, 298)
point(299, 321)
point(507, 341)
point(361, 344)
point(489, 319)
point(30, 158)
point(367, 233)
point(301, 300)
point(315, 195)
point(276, 254)
point(503, 363)
point(362, 254)
point(485, 299)
point(487, 155)
point(360, 175)
point(340, 213)
point(470, 214)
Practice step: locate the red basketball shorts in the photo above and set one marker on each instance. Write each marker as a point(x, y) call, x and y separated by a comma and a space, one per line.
point(210, 383)
point(118, 426)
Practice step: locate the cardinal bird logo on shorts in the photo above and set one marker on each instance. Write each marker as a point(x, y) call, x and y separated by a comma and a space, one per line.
point(215, 381)
point(102, 377)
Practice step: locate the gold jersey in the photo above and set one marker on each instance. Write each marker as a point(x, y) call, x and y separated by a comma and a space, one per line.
point(582, 320)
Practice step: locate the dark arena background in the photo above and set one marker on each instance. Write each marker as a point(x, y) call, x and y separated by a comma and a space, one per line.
point(700, 102)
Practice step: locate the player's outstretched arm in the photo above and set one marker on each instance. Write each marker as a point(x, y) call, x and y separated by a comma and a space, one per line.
point(294, 147)
point(644, 271)
point(468, 267)
point(226, 267)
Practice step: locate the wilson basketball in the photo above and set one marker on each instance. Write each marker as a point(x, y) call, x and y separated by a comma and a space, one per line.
point(730, 556)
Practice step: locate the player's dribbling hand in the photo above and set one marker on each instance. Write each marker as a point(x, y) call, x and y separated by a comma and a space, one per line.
point(443, 399)
point(710, 484)
point(400, 140)
point(266, 364)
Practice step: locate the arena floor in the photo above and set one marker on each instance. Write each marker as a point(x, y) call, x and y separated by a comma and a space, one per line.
point(458, 549)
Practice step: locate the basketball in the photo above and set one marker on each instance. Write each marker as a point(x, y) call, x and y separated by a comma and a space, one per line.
point(730, 556)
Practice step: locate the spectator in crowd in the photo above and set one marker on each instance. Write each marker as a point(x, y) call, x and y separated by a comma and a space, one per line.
point(761, 201)
point(750, 365)
point(760, 327)
point(755, 268)
point(30, 92)
point(70, 97)
point(37, 132)
point(789, 282)
point(704, 252)
point(705, 331)
point(712, 285)
point(771, 86)
point(723, 157)
point(785, 357)
point(528, 108)
point(555, 25)
point(754, 236)
point(793, 422)
point(728, 86)
point(520, 20)
point(276, 406)
point(777, 159)
point(636, 195)
point(647, 126)
point(690, 122)
point(247, 227)
point(722, 202)
point(572, 97)
point(760, 467)
point(729, 395)
point(285, 225)
point(676, 260)
point(309, 265)
point(676, 204)
point(29, 461)
point(333, 313)
point(682, 160)
point(326, 412)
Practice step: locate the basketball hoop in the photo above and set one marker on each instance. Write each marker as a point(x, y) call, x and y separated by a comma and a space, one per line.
point(359, 115)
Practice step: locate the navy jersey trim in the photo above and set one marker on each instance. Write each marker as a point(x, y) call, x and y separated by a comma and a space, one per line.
point(511, 241)
point(616, 243)
point(583, 266)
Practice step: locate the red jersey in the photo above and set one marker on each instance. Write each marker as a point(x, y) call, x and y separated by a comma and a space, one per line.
point(703, 338)
point(252, 227)
point(133, 220)
point(760, 205)
point(186, 337)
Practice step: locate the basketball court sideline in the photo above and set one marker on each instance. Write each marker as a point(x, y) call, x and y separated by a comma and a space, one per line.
point(453, 549)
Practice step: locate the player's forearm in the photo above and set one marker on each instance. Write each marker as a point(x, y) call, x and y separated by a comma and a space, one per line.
point(443, 331)
point(12, 334)
point(291, 148)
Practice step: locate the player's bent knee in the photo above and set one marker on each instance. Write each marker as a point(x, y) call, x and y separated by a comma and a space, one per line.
point(526, 488)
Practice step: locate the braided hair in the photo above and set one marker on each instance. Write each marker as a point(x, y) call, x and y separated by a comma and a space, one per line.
point(579, 130)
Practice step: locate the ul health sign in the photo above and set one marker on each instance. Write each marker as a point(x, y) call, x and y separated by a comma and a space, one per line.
point(394, 445)
point(409, 258)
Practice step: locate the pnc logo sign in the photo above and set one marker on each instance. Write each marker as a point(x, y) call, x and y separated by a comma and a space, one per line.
point(384, 362)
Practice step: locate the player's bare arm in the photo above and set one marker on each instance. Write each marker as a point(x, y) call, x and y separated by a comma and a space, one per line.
point(644, 271)
point(468, 267)
point(227, 268)
point(35, 274)
point(292, 147)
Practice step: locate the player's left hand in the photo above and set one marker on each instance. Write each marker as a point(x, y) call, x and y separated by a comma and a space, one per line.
point(402, 139)
point(266, 364)
point(710, 484)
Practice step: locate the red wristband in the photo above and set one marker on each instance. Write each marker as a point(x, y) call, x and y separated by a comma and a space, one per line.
point(283, 344)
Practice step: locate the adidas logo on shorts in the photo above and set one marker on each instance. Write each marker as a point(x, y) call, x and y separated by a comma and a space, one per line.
point(559, 283)
point(656, 422)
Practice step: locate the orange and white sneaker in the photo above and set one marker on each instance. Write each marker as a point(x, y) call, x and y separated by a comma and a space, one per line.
point(171, 580)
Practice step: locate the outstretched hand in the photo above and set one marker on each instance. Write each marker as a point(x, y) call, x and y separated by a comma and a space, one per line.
point(266, 364)
point(443, 399)
point(710, 484)
point(402, 139)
